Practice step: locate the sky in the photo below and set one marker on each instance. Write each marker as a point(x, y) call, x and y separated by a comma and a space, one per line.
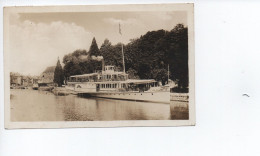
point(37, 40)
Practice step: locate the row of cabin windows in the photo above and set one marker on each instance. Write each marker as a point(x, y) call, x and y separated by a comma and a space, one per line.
point(113, 77)
point(111, 85)
point(109, 76)
point(91, 79)
point(109, 68)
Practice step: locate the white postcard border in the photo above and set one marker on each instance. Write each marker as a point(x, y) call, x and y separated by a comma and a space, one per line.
point(189, 7)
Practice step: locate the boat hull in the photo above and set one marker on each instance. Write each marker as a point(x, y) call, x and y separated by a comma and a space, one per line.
point(45, 88)
point(158, 97)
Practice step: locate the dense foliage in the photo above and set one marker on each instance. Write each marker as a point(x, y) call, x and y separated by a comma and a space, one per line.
point(93, 50)
point(160, 49)
point(58, 74)
point(146, 57)
point(79, 62)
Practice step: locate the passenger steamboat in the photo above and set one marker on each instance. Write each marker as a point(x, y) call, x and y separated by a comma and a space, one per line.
point(109, 83)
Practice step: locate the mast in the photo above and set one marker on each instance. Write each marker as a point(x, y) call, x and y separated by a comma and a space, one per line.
point(122, 48)
point(123, 58)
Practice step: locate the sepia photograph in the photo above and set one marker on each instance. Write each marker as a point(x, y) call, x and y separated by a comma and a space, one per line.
point(134, 78)
point(99, 66)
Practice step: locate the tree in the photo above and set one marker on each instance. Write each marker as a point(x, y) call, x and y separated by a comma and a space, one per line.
point(178, 55)
point(107, 51)
point(93, 50)
point(132, 74)
point(160, 75)
point(75, 63)
point(112, 54)
point(58, 74)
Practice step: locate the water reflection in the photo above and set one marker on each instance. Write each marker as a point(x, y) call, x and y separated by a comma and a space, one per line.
point(33, 105)
point(106, 109)
point(179, 110)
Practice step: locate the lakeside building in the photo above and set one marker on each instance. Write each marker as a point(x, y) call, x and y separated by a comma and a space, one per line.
point(29, 80)
point(47, 76)
point(26, 81)
point(15, 79)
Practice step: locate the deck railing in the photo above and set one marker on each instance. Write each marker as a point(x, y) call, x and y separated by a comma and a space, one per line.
point(98, 80)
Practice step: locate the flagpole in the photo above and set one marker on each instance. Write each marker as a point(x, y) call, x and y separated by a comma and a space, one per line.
point(123, 58)
point(122, 48)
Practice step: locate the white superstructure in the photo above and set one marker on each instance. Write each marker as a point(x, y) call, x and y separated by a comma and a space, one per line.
point(109, 83)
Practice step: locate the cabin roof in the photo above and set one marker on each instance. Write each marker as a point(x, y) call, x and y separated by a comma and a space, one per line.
point(130, 81)
point(114, 73)
point(94, 74)
point(85, 75)
point(139, 81)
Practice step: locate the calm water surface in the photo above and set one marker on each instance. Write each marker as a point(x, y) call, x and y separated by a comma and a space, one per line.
point(34, 105)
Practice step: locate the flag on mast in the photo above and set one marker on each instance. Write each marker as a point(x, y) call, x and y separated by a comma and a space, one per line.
point(120, 29)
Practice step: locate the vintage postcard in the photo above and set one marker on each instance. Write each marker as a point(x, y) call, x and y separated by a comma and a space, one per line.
point(99, 66)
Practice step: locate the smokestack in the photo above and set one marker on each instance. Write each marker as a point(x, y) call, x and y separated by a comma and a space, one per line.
point(103, 65)
point(98, 58)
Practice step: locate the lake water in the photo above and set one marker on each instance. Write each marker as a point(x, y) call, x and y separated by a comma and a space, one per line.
point(34, 105)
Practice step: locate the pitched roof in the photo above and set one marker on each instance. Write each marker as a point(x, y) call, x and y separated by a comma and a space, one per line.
point(15, 74)
point(50, 69)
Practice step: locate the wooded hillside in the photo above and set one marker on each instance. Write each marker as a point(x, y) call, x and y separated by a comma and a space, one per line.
point(146, 57)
